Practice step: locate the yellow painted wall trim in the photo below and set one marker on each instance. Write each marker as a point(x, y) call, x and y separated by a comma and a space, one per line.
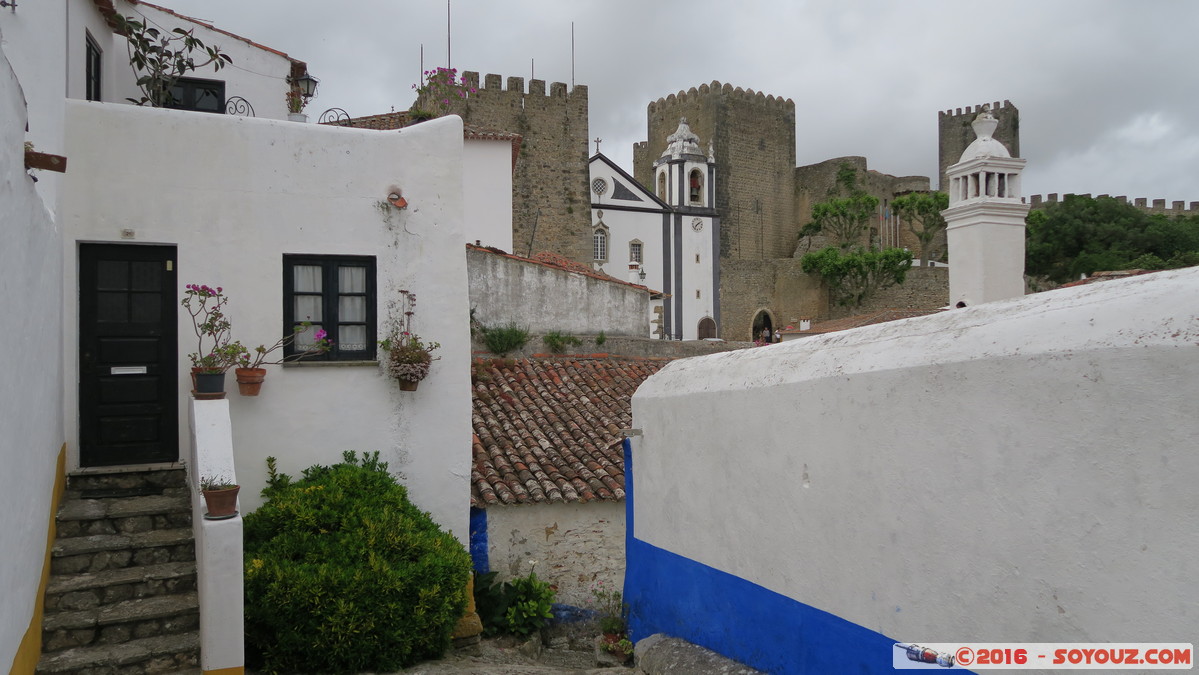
point(236, 670)
point(25, 661)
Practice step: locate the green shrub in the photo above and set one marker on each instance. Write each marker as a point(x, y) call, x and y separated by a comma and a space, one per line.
point(557, 342)
point(503, 339)
point(600, 339)
point(520, 607)
point(344, 574)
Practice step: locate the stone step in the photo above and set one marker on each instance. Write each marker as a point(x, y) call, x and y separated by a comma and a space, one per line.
point(141, 609)
point(132, 480)
point(173, 500)
point(82, 591)
point(161, 654)
point(98, 552)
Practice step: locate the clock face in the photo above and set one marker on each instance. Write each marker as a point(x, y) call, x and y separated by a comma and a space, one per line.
point(697, 224)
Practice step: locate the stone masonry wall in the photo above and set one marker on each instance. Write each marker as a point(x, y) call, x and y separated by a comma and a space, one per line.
point(814, 182)
point(954, 133)
point(550, 198)
point(923, 288)
point(778, 286)
point(754, 143)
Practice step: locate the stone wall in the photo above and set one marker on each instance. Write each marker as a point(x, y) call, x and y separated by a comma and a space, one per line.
point(954, 133)
point(753, 138)
point(575, 545)
point(1150, 206)
point(505, 289)
point(814, 182)
point(778, 286)
point(923, 288)
point(550, 194)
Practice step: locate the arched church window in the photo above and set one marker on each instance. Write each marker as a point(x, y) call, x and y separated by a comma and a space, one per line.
point(696, 186)
point(600, 244)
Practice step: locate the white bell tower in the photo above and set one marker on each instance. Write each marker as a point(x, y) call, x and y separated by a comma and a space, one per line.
point(683, 175)
point(985, 220)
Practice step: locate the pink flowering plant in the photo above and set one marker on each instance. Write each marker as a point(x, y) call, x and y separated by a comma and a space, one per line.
point(261, 355)
point(409, 357)
point(216, 351)
point(441, 88)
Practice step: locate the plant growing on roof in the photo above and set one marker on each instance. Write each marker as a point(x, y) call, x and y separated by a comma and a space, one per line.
point(557, 341)
point(163, 57)
point(409, 357)
point(441, 88)
point(503, 339)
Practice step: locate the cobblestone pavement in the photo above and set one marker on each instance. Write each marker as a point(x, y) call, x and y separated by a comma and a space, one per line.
point(503, 657)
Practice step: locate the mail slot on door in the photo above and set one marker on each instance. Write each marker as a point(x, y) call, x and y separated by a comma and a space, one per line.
point(128, 370)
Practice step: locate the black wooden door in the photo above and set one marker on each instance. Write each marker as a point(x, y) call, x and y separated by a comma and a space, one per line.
point(128, 334)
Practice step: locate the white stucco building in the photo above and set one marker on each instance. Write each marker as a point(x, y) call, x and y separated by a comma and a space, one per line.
point(95, 261)
point(668, 240)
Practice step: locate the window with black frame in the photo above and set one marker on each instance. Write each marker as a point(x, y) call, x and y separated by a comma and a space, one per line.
point(189, 93)
point(335, 294)
point(92, 71)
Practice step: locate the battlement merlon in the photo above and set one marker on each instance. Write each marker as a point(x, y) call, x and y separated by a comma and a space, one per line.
point(976, 109)
point(1177, 207)
point(494, 83)
point(748, 95)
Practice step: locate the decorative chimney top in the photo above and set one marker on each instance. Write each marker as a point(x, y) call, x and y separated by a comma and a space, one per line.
point(985, 146)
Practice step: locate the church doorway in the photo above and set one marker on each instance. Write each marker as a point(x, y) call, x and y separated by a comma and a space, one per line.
point(707, 328)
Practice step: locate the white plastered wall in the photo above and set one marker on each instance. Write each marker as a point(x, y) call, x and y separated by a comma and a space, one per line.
point(234, 194)
point(575, 546)
point(1020, 470)
point(31, 431)
point(487, 182)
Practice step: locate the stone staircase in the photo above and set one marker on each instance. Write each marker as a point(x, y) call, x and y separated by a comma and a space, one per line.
point(122, 592)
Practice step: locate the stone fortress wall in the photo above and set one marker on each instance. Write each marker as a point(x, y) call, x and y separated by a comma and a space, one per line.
point(550, 197)
point(1158, 206)
point(753, 140)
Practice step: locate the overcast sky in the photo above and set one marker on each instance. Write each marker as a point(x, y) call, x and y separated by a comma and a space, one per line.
point(1108, 90)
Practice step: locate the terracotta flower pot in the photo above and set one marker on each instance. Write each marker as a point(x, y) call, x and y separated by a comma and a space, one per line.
point(221, 503)
point(249, 380)
point(408, 385)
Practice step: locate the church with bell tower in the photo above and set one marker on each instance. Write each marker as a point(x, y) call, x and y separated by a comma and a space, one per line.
point(666, 236)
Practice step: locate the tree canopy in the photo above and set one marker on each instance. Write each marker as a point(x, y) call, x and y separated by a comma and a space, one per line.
point(922, 213)
point(846, 214)
point(1083, 235)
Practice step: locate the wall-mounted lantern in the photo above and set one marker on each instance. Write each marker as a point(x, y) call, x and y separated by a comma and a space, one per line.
point(306, 84)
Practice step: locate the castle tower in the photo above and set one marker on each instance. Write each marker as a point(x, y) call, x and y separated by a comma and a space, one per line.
point(954, 134)
point(753, 140)
point(985, 220)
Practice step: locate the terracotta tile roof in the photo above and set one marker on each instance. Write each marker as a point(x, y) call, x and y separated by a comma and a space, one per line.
point(561, 262)
point(548, 429)
point(106, 8)
point(861, 320)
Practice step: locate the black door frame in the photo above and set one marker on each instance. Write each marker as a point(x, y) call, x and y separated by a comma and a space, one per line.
point(128, 370)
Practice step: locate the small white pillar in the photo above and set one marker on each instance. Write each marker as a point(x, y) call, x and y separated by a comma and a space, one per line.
point(985, 225)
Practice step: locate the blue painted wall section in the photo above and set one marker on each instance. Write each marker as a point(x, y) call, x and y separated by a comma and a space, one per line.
point(478, 540)
point(670, 594)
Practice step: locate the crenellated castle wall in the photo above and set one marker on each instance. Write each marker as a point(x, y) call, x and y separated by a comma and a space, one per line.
point(1176, 208)
point(550, 198)
point(753, 139)
point(954, 133)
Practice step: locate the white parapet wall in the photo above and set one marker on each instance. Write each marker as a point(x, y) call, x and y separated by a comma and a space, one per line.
point(31, 428)
point(1017, 471)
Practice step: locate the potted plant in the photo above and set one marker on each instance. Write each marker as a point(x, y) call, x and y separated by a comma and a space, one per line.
point(409, 357)
point(295, 105)
point(220, 496)
point(250, 372)
point(613, 613)
point(215, 351)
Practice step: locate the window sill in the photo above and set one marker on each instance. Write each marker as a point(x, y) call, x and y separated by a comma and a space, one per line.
point(329, 364)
